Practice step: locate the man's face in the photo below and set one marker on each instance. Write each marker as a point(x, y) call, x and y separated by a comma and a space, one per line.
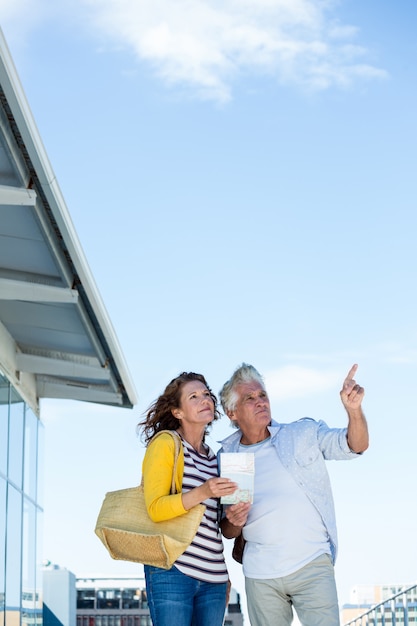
point(252, 410)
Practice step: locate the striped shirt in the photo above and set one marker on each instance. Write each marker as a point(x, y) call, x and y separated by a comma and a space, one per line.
point(204, 558)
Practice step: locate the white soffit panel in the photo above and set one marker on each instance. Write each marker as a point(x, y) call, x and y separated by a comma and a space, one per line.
point(60, 339)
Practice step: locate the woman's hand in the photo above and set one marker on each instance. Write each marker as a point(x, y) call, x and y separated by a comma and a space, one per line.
point(212, 488)
point(218, 487)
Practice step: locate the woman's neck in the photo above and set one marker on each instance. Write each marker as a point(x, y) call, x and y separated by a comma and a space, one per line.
point(194, 438)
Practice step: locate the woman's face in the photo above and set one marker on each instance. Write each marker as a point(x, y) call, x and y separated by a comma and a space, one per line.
point(196, 404)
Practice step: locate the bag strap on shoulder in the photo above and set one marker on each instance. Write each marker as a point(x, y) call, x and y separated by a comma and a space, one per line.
point(177, 443)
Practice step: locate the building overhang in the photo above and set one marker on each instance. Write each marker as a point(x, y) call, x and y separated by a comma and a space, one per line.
point(56, 339)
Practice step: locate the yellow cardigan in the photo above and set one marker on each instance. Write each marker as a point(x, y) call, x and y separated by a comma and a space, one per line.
point(157, 468)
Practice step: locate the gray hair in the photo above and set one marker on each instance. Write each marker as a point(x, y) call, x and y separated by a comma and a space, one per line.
point(228, 395)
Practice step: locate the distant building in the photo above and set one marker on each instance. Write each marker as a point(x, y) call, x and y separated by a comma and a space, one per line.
point(59, 597)
point(381, 604)
point(122, 601)
point(234, 615)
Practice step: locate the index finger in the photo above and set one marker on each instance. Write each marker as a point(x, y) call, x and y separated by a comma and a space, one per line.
point(351, 372)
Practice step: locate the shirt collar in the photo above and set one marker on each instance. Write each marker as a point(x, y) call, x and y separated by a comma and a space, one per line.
point(235, 437)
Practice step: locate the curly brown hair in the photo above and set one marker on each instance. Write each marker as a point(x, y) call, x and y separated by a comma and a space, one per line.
point(159, 415)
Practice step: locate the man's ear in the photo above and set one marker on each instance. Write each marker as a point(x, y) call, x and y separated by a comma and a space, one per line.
point(232, 416)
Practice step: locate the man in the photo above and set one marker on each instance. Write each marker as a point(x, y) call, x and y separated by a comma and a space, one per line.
point(290, 529)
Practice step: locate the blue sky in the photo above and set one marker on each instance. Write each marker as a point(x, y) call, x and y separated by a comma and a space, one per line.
point(241, 176)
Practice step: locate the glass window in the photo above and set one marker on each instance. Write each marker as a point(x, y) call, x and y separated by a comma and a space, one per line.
point(85, 598)
point(108, 603)
point(13, 546)
point(2, 547)
point(130, 598)
point(16, 420)
point(19, 527)
point(39, 565)
point(144, 604)
point(30, 456)
point(4, 425)
point(108, 598)
point(40, 464)
point(29, 556)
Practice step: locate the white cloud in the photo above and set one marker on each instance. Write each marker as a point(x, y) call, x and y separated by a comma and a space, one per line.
point(11, 10)
point(294, 381)
point(208, 44)
point(20, 17)
point(397, 352)
point(12, 14)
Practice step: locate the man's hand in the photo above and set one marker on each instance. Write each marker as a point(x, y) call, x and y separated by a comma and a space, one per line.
point(352, 396)
point(236, 516)
point(351, 393)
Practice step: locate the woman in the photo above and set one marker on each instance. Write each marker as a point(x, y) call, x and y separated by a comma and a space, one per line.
point(193, 591)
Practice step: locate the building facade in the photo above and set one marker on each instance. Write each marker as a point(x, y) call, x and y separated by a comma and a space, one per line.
point(56, 340)
point(59, 597)
point(21, 440)
point(123, 602)
point(385, 605)
point(112, 602)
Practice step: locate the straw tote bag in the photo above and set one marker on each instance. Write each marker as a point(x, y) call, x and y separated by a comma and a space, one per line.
point(129, 534)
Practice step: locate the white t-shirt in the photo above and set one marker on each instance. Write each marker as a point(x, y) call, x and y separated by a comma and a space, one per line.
point(284, 530)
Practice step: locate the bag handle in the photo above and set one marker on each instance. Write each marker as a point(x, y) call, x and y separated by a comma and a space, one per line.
point(177, 444)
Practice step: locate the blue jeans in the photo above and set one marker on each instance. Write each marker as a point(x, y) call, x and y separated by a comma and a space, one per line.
point(175, 598)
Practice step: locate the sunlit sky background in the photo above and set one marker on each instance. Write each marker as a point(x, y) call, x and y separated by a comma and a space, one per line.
point(242, 179)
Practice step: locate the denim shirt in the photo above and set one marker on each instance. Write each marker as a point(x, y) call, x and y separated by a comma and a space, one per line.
point(303, 447)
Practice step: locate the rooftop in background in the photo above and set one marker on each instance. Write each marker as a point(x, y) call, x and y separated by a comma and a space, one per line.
point(109, 582)
point(57, 339)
